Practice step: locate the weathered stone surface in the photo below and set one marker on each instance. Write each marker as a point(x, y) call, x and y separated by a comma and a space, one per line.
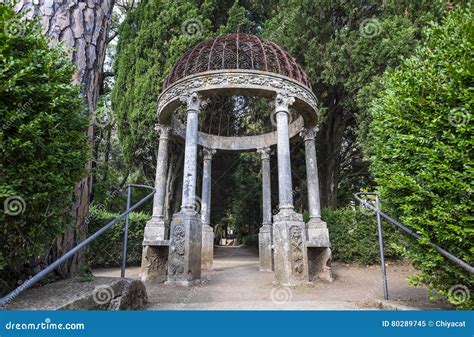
point(318, 237)
point(319, 261)
point(184, 259)
point(290, 253)
point(207, 247)
point(102, 293)
point(154, 263)
point(265, 253)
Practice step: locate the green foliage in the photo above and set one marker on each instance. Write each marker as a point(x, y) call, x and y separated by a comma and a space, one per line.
point(354, 236)
point(107, 249)
point(250, 241)
point(421, 149)
point(43, 148)
point(151, 41)
point(344, 46)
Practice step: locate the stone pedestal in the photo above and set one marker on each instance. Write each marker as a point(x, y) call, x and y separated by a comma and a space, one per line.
point(265, 254)
point(290, 254)
point(207, 247)
point(184, 259)
point(154, 263)
point(155, 229)
point(318, 234)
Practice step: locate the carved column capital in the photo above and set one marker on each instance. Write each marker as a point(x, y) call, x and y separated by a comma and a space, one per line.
point(163, 131)
point(309, 133)
point(265, 153)
point(192, 101)
point(208, 153)
point(283, 101)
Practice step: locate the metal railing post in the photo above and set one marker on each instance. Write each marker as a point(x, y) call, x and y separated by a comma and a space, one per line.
point(382, 255)
point(40, 275)
point(125, 235)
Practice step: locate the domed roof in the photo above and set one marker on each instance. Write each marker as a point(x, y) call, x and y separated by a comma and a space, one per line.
point(237, 51)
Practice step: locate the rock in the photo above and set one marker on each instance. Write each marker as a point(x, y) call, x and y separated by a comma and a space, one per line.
point(102, 293)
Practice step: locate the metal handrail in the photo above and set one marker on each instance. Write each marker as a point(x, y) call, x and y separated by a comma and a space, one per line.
point(441, 250)
point(40, 275)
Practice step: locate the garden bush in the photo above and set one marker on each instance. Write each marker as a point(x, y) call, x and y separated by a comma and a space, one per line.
point(43, 145)
point(354, 236)
point(421, 148)
point(106, 251)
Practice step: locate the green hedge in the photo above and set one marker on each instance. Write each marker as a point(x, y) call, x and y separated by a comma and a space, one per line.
point(43, 145)
point(106, 251)
point(422, 150)
point(354, 236)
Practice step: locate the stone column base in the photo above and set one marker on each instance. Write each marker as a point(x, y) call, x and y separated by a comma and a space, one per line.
point(154, 263)
point(265, 254)
point(155, 230)
point(319, 237)
point(207, 253)
point(184, 259)
point(320, 264)
point(290, 255)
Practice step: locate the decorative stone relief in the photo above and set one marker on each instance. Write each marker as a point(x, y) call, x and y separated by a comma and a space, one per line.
point(297, 257)
point(265, 153)
point(309, 134)
point(240, 80)
point(283, 102)
point(208, 153)
point(192, 101)
point(177, 250)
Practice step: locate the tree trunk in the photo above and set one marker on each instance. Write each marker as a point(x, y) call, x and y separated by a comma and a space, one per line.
point(82, 27)
point(329, 149)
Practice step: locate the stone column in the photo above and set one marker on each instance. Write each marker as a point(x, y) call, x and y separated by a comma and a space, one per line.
point(184, 260)
point(315, 224)
point(319, 252)
point(265, 253)
point(155, 228)
point(207, 231)
point(289, 235)
point(155, 250)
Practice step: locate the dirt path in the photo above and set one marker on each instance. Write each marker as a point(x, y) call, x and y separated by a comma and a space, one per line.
point(237, 284)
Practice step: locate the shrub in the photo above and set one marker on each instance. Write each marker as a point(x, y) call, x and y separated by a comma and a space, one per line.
point(43, 145)
point(354, 236)
point(422, 151)
point(106, 251)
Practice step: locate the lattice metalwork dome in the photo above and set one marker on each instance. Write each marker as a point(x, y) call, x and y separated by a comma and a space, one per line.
point(237, 51)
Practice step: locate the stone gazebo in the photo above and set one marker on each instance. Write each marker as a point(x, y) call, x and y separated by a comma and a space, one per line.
point(240, 65)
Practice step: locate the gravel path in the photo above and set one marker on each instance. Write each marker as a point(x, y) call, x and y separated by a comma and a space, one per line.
point(237, 284)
